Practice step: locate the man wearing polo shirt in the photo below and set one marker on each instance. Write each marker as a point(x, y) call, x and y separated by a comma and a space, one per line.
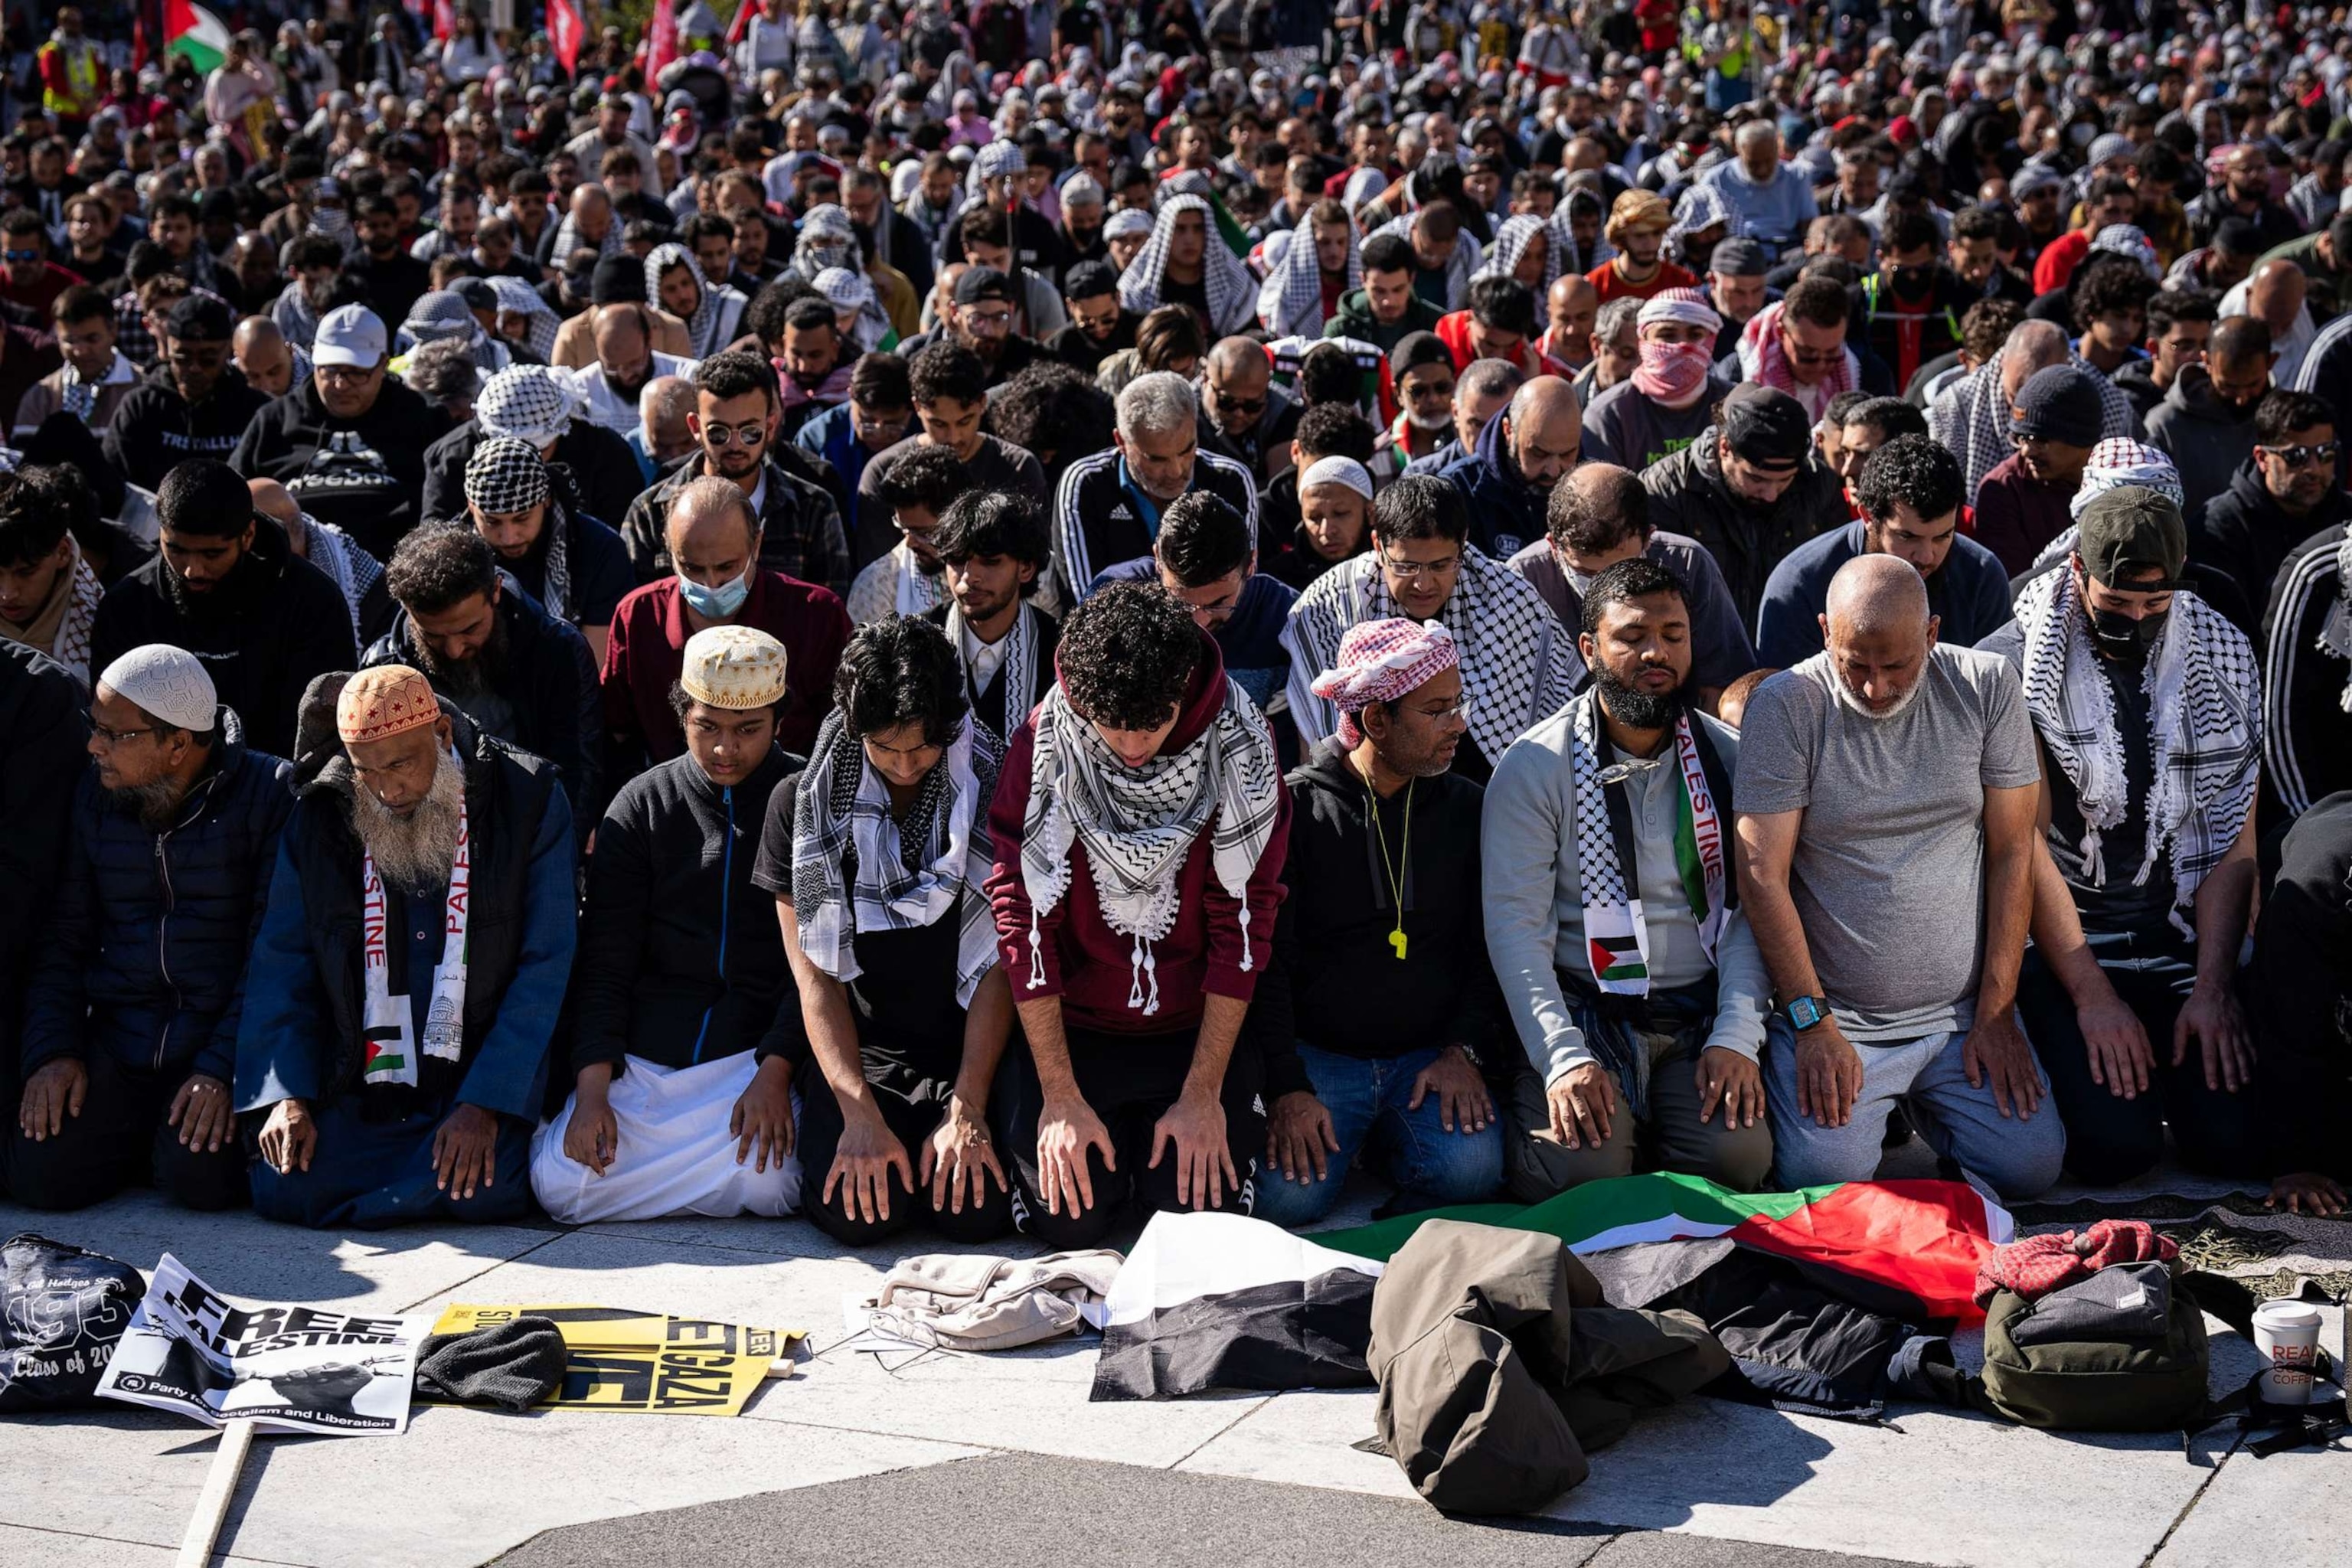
point(711, 540)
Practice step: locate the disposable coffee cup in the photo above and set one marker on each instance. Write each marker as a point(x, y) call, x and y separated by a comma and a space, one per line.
point(2286, 1336)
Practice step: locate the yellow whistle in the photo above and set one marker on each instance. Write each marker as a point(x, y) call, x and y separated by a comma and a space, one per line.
point(1396, 940)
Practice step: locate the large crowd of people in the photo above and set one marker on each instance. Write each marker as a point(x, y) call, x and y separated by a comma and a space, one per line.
point(845, 611)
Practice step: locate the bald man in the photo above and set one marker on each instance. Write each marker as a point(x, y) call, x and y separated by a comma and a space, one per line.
point(2277, 294)
point(1970, 417)
point(358, 574)
point(1507, 476)
point(1887, 788)
point(1254, 419)
point(271, 364)
point(1571, 306)
point(713, 544)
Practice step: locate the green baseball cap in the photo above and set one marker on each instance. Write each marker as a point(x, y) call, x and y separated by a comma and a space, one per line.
point(2129, 530)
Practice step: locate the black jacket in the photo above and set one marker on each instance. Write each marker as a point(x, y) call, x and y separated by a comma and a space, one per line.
point(1095, 522)
point(43, 730)
point(156, 430)
point(549, 680)
point(277, 622)
point(2245, 531)
point(1335, 982)
point(2300, 984)
point(2206, 438)
point(2306, 738)
point(681, 957)
point(363, 475)
point(604, 474)
point(146, 948)
point(1000, 711)
point(2135, 379)
point(1688, 496)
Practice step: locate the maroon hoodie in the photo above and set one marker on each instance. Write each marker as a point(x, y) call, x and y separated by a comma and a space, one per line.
point(1090, 966)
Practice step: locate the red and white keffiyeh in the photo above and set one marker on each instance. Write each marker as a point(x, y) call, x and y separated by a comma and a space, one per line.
point(1381, 662)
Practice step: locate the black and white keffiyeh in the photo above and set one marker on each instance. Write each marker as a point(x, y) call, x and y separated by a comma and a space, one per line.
point(1511, 242)
point(532, 402)
point(1971, 418)
point(857, 867)
point(1467, 255)
point(1232, 291)
point(1137, 825)
point(1519, 666)
point(355, 572)
point(659, 260)
point(2336, 637)
point(1021, 657)
point(2204, 695)
point(1291, 302)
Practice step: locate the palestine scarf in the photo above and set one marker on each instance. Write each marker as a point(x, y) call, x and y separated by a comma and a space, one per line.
point(1761, 358)
point(1018, 670)
point(1138, 824)
point(1616, 933)
point(355, 572)
point(60, 629)
point(1511, 242)
point(1292, 301)
point(1231, 291)
point(388, 1028)
point(897, 584)
point(1519, 663)
point(856, 868)
point(2204, 716)
point(660, 259)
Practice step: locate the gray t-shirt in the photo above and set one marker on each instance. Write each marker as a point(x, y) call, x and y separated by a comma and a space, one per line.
point(1888, 876)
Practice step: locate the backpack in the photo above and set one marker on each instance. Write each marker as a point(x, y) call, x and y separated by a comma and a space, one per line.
point(62, 1311)
point(348, 483)
point(2122, 1349)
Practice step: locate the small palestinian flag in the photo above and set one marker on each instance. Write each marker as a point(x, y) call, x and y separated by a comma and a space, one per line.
point(190, 30)
point(1617, 956)
point(1219, 1301)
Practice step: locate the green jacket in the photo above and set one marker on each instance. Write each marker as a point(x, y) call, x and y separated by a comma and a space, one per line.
point(2328, 289)
point(1355, 320)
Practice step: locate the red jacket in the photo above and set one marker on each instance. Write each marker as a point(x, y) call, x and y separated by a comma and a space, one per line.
point(646, 652)
point(1090, 966)
point(1454, 331)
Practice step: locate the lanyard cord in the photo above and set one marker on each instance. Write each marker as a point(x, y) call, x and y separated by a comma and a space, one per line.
point(1395, 873)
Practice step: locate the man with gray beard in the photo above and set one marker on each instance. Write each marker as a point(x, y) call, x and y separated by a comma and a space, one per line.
point(131, 1014)
point(407, 977)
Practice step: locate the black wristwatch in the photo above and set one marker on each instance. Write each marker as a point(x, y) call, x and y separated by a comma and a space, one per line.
point(1805, 1011)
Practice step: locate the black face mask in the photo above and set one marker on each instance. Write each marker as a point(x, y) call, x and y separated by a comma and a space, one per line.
point(2119, 636)
point(1913, 282)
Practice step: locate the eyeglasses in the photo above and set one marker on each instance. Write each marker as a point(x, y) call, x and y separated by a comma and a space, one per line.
point(988, 320)
point(19, 258)
point(111, 739)
point(1800, 354)
point(747, 435)
point(878, 428)
point(1409, 570)
point(2303, 456)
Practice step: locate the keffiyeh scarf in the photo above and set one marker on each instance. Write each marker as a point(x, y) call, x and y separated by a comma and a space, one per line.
point(826, 239)
point(1292, 300)
point(2204, 715)
point(1467, 255)
point(519, 298)
point(1138, 824)
point(355, 572)
point(60, 629)
point(1616, 935)
point(1519, 664)
point(1019, 667)
point(660, 259)
point(1232, 292)
point(1973, 425)
point(855, 866)
point(1502, 260)
point(1762, 358)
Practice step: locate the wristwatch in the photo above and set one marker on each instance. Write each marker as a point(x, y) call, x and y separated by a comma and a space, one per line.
point(1805, 1011)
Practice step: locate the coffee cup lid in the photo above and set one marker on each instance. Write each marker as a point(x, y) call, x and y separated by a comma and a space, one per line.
point(2288, 1313)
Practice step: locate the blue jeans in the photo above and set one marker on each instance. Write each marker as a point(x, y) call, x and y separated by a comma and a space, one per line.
point(1367, 1098)
point(369, 1175)
point(2018, 1158)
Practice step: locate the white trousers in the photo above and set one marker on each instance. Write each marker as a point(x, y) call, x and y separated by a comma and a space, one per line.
point(675, 1155)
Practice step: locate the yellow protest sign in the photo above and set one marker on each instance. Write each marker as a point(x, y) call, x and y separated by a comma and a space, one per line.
point(624, 1360)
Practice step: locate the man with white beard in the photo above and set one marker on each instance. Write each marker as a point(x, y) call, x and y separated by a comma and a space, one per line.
point(1883, 782)
point(407, 977)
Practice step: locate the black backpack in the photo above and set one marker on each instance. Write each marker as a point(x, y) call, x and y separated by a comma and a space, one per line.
point(62, 1311)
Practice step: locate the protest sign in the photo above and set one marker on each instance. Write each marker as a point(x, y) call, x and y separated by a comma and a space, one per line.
point(285, 1368)
point(624, 1360)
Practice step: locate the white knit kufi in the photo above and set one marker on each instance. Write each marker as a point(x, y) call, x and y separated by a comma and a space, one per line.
point(734, 667)
point(1337, 470)
point(168, 682)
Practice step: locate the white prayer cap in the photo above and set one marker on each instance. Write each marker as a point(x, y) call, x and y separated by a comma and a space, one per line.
point(734, 666)
point(1126, 221)
point(167, 683)
point(1337, 470)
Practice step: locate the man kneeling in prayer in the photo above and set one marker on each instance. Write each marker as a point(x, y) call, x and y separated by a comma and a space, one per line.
point(879, 857)
point(1612, 917)
point(676, 1110)
point(1380, 973)
point(409, 969)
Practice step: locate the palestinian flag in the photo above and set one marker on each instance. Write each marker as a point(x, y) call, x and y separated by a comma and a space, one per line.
point(190, 30)
point(1922, 1239)
point(1219, 1301)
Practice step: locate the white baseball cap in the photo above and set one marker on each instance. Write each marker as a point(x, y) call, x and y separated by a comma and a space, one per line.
point(349, 334)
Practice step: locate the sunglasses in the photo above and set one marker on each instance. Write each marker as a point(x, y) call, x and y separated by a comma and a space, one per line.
point(19, 258)
point(721, 434)
point(2303, 456)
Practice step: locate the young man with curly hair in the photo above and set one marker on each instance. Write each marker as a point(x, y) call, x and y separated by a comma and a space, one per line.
point(1140, 829)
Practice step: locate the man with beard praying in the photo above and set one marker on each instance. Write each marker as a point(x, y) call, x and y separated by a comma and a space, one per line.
point(226, 585)
point(919, 490)
point(625, 361)
point(1108, 507)
point(132, 1008)
point(674, 1109)
point(1614, 919)
point(407, 977)
point(495, 656)
point(574, 567)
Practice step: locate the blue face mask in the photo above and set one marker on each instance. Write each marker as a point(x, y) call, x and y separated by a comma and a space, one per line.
point(715, 603)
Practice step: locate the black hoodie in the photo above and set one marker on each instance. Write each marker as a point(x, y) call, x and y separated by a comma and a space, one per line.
point(372, 487)
point(1336, 981)
point(2246, 532)
point(156, 430)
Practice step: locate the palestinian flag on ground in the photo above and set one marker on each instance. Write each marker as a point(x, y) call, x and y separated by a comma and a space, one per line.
point(1922, 1238)
point(1218, 1300)
point(190, 30)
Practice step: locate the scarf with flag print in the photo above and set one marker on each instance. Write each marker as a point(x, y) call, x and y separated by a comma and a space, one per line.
point(389, 1027)
point(1616, 936)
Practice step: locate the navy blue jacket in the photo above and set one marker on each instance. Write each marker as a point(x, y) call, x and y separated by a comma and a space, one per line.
point(1506, 513)
point(1970, 592)
point(145, 952)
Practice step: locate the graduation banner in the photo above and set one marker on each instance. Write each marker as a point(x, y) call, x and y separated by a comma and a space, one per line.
point(285, 1368)
point(617, 1359)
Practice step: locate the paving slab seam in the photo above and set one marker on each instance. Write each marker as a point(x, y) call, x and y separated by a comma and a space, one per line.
point(490, 1267)
point(980, 1449)
point(153, 1546)
point(1221, 1431)
point(2194, 1498)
